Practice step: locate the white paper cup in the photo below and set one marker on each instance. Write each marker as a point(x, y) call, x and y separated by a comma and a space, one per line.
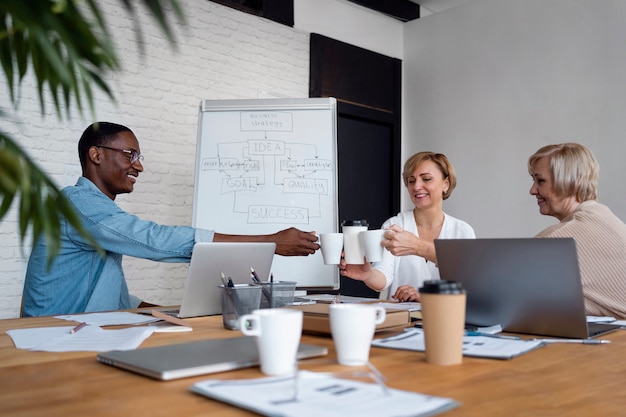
point(352, 252)
point(331, 245)
point(370, 243)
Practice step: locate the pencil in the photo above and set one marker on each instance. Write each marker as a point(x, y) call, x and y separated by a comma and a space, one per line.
point(77, 328)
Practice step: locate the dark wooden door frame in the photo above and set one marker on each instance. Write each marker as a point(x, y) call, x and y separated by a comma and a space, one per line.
point(345, 109)
point(336, 70)
point(367, 87)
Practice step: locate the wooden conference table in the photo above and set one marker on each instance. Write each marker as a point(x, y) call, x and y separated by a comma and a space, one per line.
point(556, 380)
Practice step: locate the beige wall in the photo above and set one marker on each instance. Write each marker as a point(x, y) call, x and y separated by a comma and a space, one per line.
point(490, 82)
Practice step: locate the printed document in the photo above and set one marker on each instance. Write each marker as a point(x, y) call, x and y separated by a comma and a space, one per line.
point(314, 394)
point(88, 338)
point(489, 346)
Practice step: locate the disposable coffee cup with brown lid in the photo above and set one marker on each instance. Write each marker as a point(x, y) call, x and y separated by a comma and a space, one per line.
point(443, 320)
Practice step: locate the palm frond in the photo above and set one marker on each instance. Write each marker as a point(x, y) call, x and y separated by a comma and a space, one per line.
point(69, 51)
point(42, 205)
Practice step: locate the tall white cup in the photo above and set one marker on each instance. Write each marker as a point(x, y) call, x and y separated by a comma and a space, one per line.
point(353, 254)
point(370, 243)
point(352, 327)
point(331, 245)
point(277, 333)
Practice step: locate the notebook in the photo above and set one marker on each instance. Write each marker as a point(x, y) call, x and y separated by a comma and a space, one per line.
point(527, 285)
point(195, 358)
point(201, 296)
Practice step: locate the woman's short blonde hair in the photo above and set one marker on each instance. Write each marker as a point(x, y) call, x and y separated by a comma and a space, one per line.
point(573, 167)
point(439, 159)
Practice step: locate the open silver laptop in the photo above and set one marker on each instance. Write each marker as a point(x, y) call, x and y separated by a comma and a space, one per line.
point(195, 358)
point(209, 260)
point(527, 285)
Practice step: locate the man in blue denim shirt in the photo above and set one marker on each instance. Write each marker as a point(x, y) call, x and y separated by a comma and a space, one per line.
point(80, 279)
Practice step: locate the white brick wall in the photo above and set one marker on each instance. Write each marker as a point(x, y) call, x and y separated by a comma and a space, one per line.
point(221, 54)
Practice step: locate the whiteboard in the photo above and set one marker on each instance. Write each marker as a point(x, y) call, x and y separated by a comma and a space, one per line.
point(267, 165)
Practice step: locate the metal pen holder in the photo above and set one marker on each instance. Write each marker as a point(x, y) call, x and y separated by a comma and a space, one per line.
point(237, 301)
point(277, 294)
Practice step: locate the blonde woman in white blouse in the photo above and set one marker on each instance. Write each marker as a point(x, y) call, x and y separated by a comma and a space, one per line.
point(410, 257)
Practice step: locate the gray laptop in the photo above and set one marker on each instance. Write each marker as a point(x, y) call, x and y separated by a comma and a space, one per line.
point(201, 296)
point(195, 358)
point(527, 285)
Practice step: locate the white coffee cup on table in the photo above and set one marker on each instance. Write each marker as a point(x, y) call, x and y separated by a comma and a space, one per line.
point(277, 332)
point(352, 327)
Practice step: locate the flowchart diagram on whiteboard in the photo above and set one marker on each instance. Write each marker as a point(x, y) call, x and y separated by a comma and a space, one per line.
point(265, 165)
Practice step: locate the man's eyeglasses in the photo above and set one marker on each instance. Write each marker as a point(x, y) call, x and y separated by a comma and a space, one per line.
point(133, 154)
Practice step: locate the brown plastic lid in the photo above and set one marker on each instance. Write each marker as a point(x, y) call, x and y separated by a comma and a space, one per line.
point(354, 223)
point(442, 287)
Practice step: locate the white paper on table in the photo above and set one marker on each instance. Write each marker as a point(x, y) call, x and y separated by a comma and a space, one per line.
point(88, 338)
point(321, 394)
point(495, 329)
point(410, 306)
point(600, 319)
point(29, 338)
point(165, 327)
point(113, 318)
point(331, 298)
point(478, 346)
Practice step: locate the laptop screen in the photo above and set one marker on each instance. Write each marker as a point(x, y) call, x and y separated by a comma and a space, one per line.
point(210, 260)
point(527, 285)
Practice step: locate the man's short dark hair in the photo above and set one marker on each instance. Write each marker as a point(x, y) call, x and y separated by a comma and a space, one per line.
point(97, 134)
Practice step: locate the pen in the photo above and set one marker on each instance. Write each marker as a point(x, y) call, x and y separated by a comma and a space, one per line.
point(582, 341)
point(266, 293)
point(229, 287)
point(224, 281)
point(272, 300)
point(77, 328)
point(496, 336)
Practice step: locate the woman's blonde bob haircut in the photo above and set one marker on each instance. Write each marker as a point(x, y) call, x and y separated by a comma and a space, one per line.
point(574, 170)
point(439, 159)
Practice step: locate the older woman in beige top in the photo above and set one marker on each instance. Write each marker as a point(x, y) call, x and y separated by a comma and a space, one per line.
point(565, 178)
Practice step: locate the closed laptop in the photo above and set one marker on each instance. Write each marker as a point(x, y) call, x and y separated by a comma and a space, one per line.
point(195, 358)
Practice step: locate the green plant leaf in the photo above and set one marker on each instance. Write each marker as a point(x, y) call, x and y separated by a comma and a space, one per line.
point(42, 205)
point(69, 51)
